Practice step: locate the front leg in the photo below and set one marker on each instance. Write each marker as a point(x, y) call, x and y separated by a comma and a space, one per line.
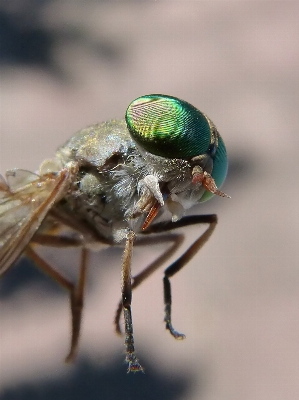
point(126, 289)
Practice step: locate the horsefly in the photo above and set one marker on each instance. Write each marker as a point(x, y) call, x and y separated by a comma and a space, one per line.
point(107, 185)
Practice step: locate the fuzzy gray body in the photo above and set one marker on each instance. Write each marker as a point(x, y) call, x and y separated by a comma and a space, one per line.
point(111, 190)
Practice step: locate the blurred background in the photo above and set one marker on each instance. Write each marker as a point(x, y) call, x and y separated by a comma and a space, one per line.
point(67, 64)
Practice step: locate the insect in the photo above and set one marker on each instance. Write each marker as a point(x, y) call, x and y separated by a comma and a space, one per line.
point(106, 186)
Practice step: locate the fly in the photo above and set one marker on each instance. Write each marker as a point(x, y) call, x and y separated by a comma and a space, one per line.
point(106, 186)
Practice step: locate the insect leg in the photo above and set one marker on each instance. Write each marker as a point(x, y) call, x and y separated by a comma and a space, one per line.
point(161, 227)
point(180, 263)
point(56, 240)
point(77, 302)
point(131, 359)
point(176, 239)
point(76, 293)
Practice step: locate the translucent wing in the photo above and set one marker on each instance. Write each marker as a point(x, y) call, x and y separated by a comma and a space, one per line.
point(25, 200)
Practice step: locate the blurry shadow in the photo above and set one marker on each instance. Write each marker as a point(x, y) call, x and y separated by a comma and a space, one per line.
point(24, 273)
point(106, 383)
point(25, 40)
point(240, 167)
point(23, 43)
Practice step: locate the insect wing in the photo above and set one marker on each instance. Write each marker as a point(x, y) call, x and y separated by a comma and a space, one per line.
point(23, 208)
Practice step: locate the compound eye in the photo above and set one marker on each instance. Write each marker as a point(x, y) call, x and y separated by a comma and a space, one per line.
point(168, 127)
point(219, 167)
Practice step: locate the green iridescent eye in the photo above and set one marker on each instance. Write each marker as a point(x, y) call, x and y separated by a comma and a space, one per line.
point(168, 127)
point(172, 128)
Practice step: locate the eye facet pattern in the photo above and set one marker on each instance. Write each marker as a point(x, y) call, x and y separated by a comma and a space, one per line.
point(168, 127)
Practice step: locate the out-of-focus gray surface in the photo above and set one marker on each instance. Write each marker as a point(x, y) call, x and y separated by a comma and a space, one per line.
point(68, 64)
